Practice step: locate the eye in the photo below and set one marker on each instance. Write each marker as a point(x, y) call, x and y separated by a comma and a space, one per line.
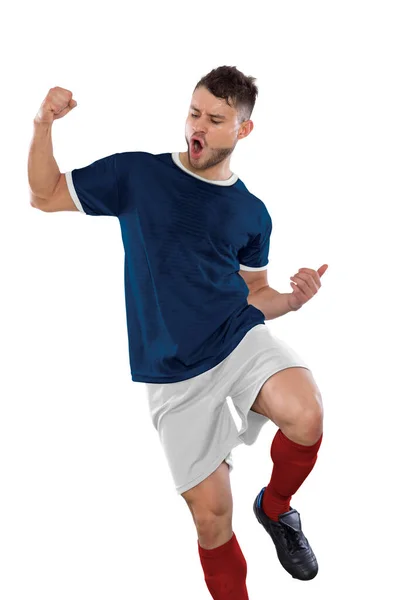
point(212, 121)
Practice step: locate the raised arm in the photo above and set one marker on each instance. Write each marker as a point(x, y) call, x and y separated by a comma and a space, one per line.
point(48, 188)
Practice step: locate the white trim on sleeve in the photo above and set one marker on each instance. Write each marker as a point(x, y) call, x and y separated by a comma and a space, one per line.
point(244, 268)
point(71, 189)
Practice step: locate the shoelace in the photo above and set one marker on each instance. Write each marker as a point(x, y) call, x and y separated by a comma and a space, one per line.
point(295, 539)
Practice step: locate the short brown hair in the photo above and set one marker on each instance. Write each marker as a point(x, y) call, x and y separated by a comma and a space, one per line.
point(228, 82)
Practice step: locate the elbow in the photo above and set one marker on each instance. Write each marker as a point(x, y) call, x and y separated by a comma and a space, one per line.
point(36, 202)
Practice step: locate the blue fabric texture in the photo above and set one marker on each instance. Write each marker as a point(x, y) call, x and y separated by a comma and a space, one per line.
point(185, 239)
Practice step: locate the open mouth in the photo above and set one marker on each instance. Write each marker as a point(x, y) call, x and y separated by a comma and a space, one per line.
point(196, 147)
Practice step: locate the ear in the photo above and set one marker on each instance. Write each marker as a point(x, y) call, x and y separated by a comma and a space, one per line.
point(245, 129)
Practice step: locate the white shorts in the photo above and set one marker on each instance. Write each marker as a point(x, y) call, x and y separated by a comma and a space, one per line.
point(193, 419)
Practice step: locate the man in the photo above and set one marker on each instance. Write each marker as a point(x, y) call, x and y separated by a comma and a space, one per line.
point(196, 253)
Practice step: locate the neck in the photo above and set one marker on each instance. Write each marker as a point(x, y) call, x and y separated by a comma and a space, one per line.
point(219, 172)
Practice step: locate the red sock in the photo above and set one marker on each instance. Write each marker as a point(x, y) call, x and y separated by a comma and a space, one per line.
point(292, 464)
point(225, 571)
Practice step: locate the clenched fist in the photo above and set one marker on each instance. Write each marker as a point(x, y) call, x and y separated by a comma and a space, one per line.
point(57, 103)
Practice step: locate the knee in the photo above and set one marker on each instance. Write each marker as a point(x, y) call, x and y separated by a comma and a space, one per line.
point(210, 520)
point(310, 427)
point(210, 526)
point(212, 517)
point(305, 424)
point(211, 503)
point(207, 512)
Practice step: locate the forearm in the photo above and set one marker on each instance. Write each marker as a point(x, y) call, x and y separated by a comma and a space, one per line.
point(272, 303)
point(43, 171)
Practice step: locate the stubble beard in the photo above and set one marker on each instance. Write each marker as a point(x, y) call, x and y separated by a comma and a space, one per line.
point(214, 157)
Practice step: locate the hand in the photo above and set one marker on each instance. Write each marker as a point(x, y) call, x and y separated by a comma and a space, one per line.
point(57, 103)
point(305, 284)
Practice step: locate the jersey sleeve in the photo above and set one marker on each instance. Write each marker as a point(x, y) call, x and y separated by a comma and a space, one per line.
point(254, 256)
point(94, 188)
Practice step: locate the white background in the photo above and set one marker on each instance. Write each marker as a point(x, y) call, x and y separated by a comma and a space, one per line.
point(88, 509)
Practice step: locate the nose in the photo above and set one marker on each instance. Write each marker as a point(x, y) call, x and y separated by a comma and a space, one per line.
point(200, 131)
point(199, 124)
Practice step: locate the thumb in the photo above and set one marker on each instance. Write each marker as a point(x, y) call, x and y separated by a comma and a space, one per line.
point(322, 270)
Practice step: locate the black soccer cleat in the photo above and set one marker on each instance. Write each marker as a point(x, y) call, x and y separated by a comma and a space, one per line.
point(292, 547)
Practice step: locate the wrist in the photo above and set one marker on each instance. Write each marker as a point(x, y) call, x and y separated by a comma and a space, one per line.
point(41, 125)
point(291, 308)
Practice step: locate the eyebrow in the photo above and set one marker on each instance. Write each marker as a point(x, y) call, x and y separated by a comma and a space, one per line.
point(209, 114)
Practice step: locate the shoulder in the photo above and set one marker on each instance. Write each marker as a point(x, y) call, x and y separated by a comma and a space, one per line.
point(257, 206)
point(131, 159)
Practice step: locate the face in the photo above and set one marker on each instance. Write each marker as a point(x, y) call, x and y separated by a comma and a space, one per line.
point(218, 126)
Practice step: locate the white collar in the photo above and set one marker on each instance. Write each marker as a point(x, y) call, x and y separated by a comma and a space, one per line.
point(232, 179)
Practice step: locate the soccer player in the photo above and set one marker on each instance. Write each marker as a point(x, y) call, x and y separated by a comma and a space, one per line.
point(196, 246)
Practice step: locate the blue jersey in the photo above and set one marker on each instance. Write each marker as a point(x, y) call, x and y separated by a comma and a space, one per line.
point(185, 238)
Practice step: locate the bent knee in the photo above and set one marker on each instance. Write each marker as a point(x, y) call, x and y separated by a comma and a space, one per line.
point(307, 411)
point(306, 422)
